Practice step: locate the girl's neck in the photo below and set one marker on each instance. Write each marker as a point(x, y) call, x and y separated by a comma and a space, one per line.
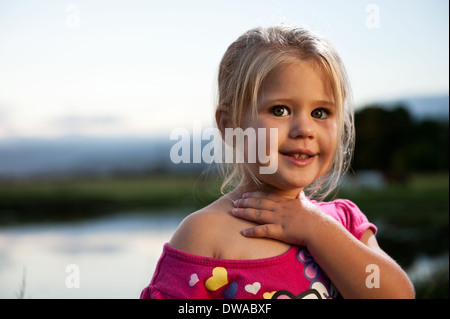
point(246, 186)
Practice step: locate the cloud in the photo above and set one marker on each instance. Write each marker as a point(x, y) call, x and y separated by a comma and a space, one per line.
point(80, 121)
point(73, 124)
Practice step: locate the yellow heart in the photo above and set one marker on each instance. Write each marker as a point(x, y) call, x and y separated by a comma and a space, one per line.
point(218, 279)
point(268, 295)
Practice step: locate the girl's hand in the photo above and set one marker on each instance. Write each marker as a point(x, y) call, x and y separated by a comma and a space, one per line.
point(289, 220)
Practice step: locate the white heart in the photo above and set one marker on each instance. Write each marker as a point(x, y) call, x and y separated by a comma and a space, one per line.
point(253, 288)
point(194, 280)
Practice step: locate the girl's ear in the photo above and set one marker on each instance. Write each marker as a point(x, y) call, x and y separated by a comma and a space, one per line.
point(223, 121)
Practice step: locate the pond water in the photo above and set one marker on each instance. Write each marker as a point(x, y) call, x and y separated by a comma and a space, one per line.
point(114, 257)
point(110, 257)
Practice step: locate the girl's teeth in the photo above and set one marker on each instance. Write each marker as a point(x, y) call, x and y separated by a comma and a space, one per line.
point(300, 156)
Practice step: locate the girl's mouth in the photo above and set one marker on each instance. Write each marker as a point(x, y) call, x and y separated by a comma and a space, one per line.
point(297, 155)
point(299, 158)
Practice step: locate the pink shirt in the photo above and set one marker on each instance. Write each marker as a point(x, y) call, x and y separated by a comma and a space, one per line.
point(293, 274)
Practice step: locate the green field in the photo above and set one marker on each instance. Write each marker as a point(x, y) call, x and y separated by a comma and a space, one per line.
point(48, 200)
point(423, 200)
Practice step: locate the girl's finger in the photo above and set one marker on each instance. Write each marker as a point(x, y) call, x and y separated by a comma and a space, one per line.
point(255, 215)
point(264, 231)
point(256, 203)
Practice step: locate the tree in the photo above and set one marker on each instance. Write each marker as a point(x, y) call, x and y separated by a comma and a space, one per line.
point(389, 140)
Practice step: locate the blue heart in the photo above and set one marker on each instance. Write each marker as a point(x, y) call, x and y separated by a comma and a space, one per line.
point(230, 292)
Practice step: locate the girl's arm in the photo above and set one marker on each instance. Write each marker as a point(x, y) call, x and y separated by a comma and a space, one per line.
point(358, 268)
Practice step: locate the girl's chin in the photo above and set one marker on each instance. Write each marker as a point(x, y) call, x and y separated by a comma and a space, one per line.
point(284, 184)
point(282, 179)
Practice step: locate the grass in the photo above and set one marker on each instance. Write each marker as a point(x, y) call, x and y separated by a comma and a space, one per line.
point(422, 201)
point(59, 200)
point(21, 293)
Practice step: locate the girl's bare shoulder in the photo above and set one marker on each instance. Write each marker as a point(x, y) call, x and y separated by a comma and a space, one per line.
point(198, 232)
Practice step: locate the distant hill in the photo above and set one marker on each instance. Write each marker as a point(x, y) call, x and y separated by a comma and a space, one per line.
point(423, 107)
point(65, 156)
point(72, 156)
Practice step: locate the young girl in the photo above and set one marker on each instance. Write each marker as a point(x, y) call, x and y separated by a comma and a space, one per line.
point(266, 238)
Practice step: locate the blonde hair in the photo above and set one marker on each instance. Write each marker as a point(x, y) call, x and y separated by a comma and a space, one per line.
point(249, 60)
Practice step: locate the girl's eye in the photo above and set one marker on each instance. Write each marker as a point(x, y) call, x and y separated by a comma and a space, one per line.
point(280, 110)
point(319, 114)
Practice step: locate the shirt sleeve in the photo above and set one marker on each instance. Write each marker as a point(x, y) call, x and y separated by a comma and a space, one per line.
point(352, 218)
point(349, 215)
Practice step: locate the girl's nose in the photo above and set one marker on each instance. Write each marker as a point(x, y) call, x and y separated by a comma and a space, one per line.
point(302, 127)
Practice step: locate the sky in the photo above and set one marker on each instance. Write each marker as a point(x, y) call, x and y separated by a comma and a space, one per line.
point(144, 68)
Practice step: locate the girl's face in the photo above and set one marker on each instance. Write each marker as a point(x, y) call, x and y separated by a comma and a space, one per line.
point(297, 99)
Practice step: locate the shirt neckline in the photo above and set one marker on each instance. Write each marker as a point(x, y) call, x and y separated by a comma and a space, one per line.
point(235, 263)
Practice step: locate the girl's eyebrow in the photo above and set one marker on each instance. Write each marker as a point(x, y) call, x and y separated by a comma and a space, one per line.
point(324, 103)
point(317, 103)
